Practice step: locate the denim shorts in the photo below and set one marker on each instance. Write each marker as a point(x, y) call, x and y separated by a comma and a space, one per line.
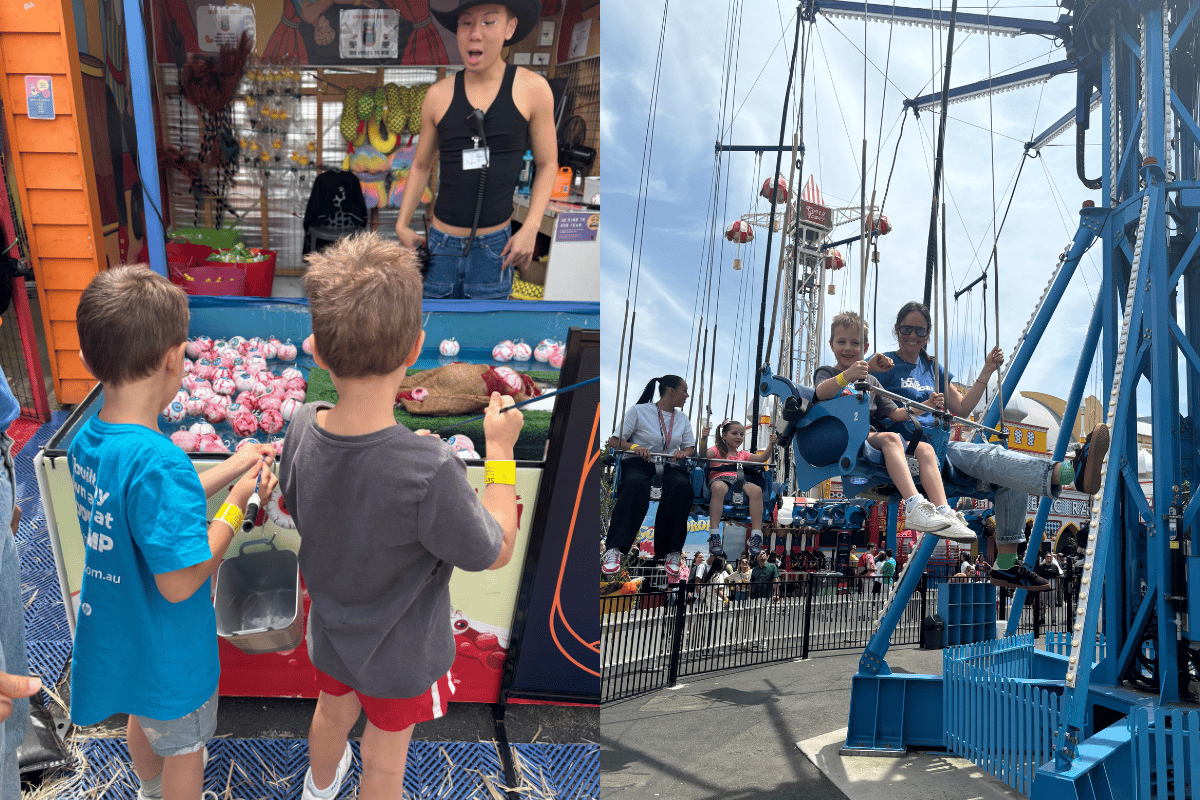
point(188, 734)
point(478, 275)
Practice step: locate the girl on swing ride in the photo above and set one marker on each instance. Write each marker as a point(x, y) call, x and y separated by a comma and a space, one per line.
point(1011, 474)
point(722, 476)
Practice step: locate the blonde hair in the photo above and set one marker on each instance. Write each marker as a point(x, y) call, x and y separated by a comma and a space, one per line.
point(364, 294)
point(127, 319)
point(851, 320)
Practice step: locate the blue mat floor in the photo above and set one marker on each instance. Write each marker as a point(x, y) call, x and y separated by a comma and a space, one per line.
point(242, 769)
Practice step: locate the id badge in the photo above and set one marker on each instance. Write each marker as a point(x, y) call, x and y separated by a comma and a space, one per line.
point(475, 158)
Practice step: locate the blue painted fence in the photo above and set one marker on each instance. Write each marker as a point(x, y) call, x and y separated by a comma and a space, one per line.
point(1166, 752)
point(996, 714)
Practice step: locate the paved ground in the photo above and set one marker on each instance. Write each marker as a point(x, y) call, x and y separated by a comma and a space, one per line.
point(734, 735)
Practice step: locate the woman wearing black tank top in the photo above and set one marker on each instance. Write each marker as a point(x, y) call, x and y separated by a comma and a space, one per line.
point(518, 115)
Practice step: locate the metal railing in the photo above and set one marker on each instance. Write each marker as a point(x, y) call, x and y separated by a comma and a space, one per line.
point(650, 640)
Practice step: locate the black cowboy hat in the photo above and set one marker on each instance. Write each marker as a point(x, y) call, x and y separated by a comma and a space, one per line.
point(527, 13)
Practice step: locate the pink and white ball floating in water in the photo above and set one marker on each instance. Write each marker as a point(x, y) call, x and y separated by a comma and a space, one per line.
point(212, 443)
point(201, 428)
point(195, 406)
point(215, 411)
point(271, 348)
point(244, 423)
point(294, 385)
point(448, 347)
point(306, 345)
point(186, 441)
point(199, 345)
point(203, 392)
point(225, 386)
point(244, 381)
point(543, 350)
point(248, 400)
point(556, 358)
point(271, 422)
point(295, 394)
point(270, 402)
point(503, 351)
point(291, 372)
point(287, 351)
point(202, 369)
point(510, 377)
point(288, 408)
point(459, 442)
point(522, 351)
point(175, 412)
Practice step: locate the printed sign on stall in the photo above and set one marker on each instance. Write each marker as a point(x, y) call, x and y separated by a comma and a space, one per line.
point(39, 96)
point(371, 33)
point(577, 227)
point(222, 26)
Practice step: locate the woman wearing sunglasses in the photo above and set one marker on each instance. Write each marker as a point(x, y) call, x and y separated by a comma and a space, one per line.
point(1013, 475)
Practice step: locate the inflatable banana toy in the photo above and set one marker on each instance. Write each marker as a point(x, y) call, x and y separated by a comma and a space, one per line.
point(382, 135)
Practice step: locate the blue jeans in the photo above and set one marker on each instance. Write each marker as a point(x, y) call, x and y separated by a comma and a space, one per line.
point(476, 276)
point(13, 657)
point(1015, 476)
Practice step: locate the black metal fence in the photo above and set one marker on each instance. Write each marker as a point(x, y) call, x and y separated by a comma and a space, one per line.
point(650, 640)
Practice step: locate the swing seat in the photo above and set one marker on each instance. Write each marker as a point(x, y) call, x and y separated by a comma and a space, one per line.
point(826, 437)
point(735, 512)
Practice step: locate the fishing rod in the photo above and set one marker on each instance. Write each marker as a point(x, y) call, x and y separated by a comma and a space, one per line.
point(563, 390)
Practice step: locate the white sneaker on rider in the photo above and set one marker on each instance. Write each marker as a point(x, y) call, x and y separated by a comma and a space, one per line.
point(923, 516)
point(958, 530)
point(611, 564)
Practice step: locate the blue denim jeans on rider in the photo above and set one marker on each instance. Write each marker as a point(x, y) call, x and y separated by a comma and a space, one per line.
point(1015, 476)
point(479, 275)
point(13, 656)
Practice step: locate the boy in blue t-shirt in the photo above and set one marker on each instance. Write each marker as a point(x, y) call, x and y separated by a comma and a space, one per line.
point(145, 638)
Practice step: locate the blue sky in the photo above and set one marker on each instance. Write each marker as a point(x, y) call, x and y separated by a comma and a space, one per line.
point(672, 250)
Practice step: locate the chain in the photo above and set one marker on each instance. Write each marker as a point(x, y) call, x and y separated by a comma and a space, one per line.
point(1094, 526)
point(1169, 118)
point(1114, 143)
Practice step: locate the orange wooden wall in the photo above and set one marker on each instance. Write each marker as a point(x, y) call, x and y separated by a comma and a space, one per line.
point(52, 163)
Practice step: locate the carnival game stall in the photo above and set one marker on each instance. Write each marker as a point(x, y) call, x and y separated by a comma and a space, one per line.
point(486, 604)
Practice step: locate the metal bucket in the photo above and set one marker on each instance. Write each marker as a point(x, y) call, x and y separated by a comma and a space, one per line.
point(258, 600)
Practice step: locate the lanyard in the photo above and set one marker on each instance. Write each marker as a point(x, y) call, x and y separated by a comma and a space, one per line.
point(668, 433)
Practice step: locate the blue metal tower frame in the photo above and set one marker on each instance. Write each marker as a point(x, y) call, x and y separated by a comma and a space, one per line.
point(1139, 59)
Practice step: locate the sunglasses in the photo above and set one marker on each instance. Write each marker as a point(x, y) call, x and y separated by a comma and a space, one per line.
point(911, 330)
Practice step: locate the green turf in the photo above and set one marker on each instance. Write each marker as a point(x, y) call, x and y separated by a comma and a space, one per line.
point(530, 445)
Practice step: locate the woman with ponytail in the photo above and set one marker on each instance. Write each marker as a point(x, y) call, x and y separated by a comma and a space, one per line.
point(653, 428)
point(1013, 475)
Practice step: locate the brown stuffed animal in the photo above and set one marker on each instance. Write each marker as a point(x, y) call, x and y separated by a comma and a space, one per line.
point(456, 389)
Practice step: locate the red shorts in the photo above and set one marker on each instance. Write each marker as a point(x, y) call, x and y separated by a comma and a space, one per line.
point(395, 713)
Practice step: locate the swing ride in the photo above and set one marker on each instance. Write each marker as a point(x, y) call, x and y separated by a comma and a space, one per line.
point(1113, 715)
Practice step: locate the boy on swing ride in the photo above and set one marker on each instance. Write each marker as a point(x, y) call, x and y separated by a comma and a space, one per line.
point(920, 514)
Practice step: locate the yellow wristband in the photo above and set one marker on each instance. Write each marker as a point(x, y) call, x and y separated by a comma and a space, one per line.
point(841, 379)
point(231, 515)
point(502, 472)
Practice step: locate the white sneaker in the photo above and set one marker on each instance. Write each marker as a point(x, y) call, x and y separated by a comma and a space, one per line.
point(310, 789)
point(924, 517)
point(958, 530)
point(611, 564)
